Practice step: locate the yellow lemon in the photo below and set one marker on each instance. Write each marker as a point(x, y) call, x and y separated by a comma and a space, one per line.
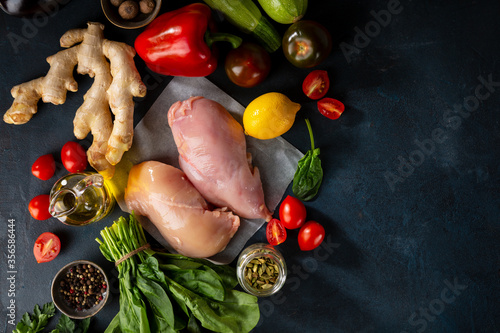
point(269, 116)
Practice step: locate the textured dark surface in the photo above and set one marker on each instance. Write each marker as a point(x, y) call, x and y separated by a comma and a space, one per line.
point(408, 247)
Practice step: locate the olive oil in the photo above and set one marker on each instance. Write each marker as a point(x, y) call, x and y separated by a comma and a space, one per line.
point(80, 199)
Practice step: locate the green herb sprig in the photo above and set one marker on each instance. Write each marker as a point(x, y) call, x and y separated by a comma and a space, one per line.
point(37, 321)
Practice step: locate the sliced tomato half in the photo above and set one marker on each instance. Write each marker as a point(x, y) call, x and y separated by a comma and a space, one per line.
point(316, 84)
point(330, 108)
point(47, 247)
point(275, 232)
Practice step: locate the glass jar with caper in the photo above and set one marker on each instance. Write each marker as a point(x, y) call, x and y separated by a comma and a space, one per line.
point(261, 270)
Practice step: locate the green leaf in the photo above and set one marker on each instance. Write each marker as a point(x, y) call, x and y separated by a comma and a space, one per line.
point(309, 174)
point(49, 309)
point(203, 281)
point(159, 303)
point(225, 272)
point(26, 320)
point(84, 325)
point(239, 312)
point(132, 314)
point(193, 325)
point(114, 325)
point(65, 324)
point(36, 322)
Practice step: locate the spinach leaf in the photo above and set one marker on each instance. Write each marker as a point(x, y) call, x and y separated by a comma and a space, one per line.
point(309, 174)
point(202, 281)
point(133, 316)
point(162, 292)
point(193, 325)
point(150, 268)
point(114, 325)
point(225, 272)
point(239, 312)
point(160, 304)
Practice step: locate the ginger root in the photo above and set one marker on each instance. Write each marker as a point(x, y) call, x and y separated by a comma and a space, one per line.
point(115, 85)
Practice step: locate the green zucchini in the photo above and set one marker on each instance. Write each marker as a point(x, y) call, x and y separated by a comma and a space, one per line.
point(246, 16)
point(284, 11)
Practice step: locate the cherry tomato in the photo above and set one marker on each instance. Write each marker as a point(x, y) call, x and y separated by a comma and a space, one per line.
point(330, 108)
point(39, 207)
point(275, 232)
point(44, 167)
point(311, 235)
point(247, 65)
point(73, 157)
point(316, 84)
point(292, 213)
point(47, 247)
point(306, 44)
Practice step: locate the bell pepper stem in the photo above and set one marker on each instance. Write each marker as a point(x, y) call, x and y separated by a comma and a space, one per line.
point(212, 37)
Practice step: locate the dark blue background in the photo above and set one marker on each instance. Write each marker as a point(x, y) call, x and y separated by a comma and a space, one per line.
point(412, 229)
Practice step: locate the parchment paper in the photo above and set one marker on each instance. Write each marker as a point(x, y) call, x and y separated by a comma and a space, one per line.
point(276, 158)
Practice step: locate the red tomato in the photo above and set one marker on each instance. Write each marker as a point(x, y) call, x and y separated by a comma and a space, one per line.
point(47, 247)
point(73, 157)
point(39, 207)
point(275, 232)
point(311, 235)
point(316, 84)
point(44, 167)
point(292, 213)
point(330, 108)
point(248, 65)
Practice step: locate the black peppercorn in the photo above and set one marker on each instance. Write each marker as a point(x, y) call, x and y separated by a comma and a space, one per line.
point(84, 288)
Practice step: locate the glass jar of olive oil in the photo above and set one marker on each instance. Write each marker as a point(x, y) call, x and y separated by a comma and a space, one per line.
point(80, 199)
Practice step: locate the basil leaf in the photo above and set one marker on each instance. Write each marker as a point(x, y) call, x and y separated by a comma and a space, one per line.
point(309, 174)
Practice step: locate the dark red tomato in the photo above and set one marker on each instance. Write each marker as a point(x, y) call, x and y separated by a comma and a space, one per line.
point(311, 235)
point(39, 207)
point(247, 65)
point(44, 167)
point(292, 213)
point(47, 247)
point(306, 44)
point(316, 84)
point(275, 232)
point(73, 157)
point(330, 108)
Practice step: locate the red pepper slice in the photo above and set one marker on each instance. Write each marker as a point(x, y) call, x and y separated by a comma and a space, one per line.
point(178, 42)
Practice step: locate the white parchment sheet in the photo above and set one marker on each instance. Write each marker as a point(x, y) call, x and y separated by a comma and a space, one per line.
point(276, 158)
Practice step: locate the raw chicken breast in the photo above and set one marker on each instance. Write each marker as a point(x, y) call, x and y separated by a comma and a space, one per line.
point(164, 194)
point(212, 153)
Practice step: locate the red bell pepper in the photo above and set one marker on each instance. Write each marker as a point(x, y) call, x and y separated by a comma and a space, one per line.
point(179, 42)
